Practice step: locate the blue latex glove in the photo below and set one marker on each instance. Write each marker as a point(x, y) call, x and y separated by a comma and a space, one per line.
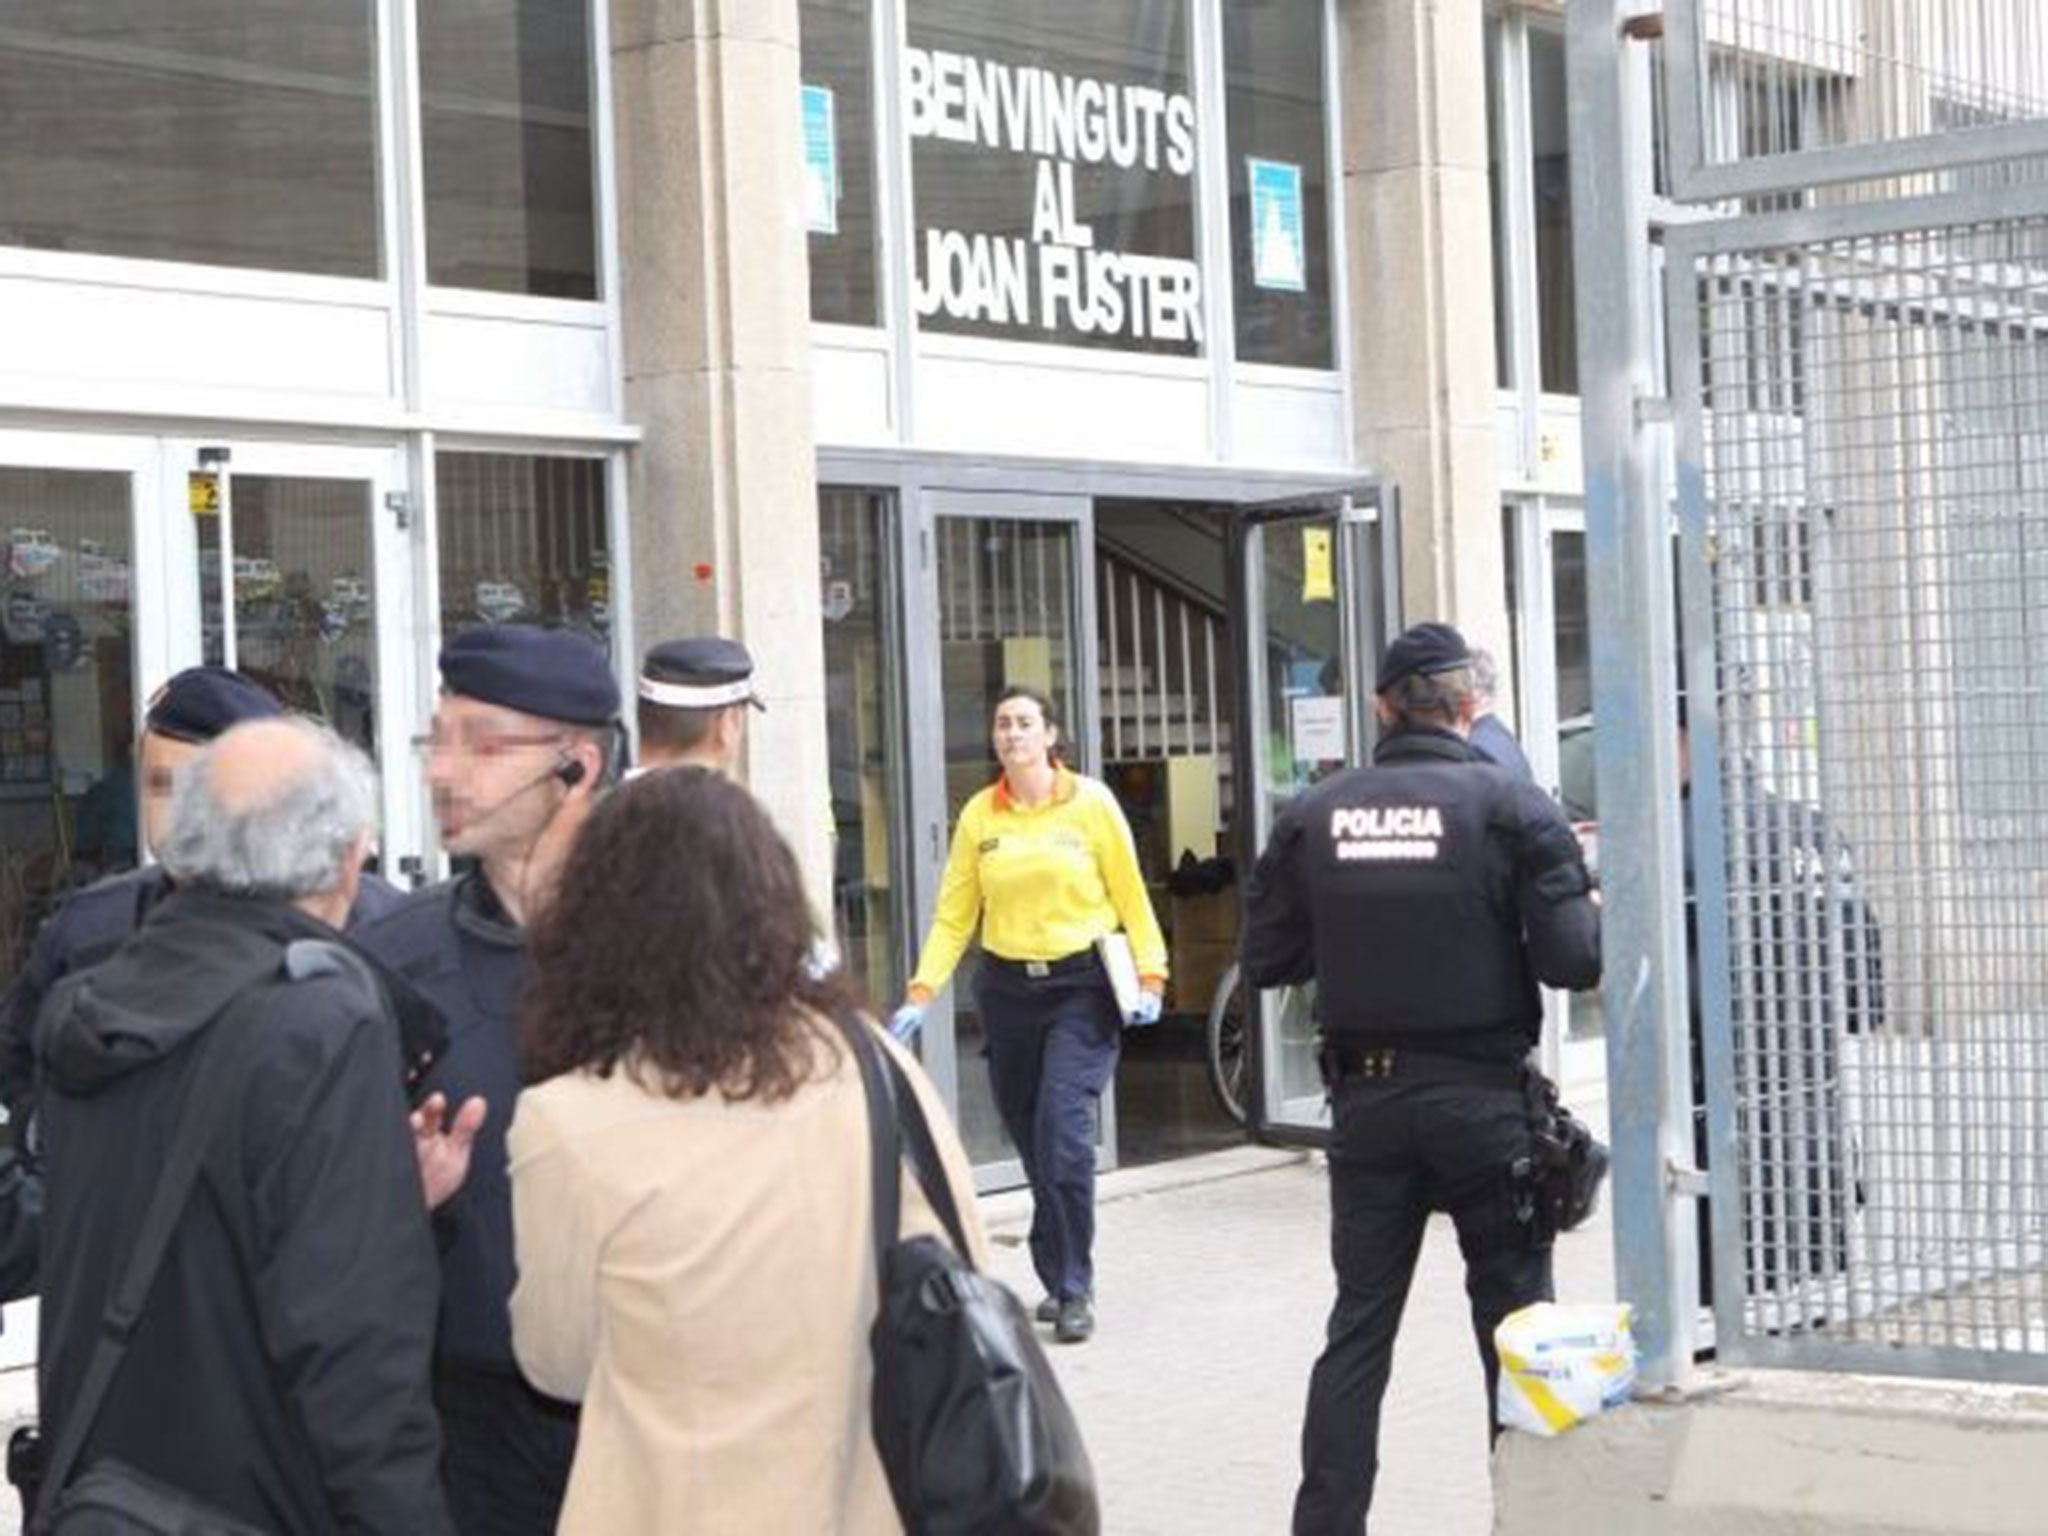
point(906, 1022)
point(1147, 1011)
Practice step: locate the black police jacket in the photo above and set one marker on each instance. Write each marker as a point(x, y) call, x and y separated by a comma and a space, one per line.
point(282, 1366)
point(1426, 896)
point(90, 925)
point(457, 946)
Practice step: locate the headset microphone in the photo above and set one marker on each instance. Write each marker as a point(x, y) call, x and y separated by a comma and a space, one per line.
point(568, 773)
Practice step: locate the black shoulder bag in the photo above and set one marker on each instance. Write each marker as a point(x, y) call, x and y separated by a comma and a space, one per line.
point(110, 1497)
point(969, 1421)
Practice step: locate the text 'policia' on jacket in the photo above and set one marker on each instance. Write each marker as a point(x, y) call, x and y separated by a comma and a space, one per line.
point(1427, 895)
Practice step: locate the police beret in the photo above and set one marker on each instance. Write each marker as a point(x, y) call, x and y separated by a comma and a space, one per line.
point(1422, 650)
point(548, 673)
point(201, 702)
point(703, 672)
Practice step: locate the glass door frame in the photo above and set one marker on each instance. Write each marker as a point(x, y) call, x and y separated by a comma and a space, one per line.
point(1368, 580)
point(394, 531)
point(923, 508)
point(1537, 521)
point(137, 457)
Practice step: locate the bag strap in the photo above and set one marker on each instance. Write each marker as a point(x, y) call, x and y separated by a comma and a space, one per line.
point(204, 1098)
point(924, 1158)
point(895, 1117)
point(885, 1151)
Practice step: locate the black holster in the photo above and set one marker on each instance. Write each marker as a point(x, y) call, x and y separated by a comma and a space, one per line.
point(1556, 1184)
point(25, 1457)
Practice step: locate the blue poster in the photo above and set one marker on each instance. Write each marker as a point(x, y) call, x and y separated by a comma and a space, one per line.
point(821, 162)
point(1279, 247)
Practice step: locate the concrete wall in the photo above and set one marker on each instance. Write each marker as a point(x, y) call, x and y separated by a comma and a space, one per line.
point(1787, 1453)
point(715, 295)
point(1421, 285)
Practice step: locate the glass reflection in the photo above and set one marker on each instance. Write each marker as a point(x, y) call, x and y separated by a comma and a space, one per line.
point(505, 126)
point(1279, 183)
point(305, 609)
point(524, 538)
point(862, 720)
point(1302, 740)
point(67, 693)
point(239, 133)
point(840, 207)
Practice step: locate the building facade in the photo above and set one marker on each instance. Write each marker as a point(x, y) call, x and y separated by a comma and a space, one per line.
point(1163, 353)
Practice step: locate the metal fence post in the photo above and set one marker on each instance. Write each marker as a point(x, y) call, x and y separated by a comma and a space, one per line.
point(1629, 573)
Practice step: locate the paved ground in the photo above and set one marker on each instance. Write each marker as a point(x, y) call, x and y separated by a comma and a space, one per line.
point(1214, 1281)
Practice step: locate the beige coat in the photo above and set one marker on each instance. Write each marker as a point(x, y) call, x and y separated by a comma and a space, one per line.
point(699, 1275)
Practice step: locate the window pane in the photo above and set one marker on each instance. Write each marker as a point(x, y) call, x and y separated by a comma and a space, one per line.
point(240, 133)
point(67, 693)
point(863, 725)
point(1053, 165)
point(839, 160)
point(523, 539)
point(1279, 184)
point(505, 119)
point(1549, 134)
point(305, 613)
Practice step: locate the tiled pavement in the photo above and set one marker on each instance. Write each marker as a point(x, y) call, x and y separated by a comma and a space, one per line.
point(1214, 1284)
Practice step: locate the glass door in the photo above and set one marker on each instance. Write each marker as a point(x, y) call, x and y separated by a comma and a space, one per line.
point(76, 637)
point(1314, 587)
point(1554, 708)
point(302, 582)
point(1006, 604)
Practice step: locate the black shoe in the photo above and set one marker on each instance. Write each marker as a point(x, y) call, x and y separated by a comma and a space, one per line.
point(1075, 1322)
point(1048, 1310)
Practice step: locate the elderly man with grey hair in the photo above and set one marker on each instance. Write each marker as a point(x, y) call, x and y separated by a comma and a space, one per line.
point(278, 1374)
point(1490, 738)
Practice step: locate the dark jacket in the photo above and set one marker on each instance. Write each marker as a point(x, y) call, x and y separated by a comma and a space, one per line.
point(455, 944)
point(1426, 896)
point(281, 1367)
point(90, 925)
point(1492, 740)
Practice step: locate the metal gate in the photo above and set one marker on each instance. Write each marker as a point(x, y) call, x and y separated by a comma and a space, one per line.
point(1858, 359)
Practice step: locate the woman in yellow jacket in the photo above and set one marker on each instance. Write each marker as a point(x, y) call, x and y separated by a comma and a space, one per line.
point(1043, 860)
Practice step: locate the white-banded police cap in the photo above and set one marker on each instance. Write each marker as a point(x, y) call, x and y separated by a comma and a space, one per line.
point(702, 672)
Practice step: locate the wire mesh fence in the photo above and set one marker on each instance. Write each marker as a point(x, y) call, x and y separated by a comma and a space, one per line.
point(1872, 422)
point(1895, 94)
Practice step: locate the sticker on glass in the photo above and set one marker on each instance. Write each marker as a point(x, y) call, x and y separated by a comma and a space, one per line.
point(821, 162)
point(1279, 247)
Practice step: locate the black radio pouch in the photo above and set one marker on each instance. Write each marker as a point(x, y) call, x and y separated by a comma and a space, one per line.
point(1556, 1185)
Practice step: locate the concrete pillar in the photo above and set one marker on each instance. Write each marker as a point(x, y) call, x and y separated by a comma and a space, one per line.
point(716, 318)
point(1419, 228)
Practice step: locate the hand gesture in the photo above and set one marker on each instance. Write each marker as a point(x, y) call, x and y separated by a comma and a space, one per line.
point(442, 1144)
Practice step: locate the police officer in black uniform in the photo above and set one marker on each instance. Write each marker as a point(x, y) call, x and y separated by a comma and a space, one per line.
point(525, 731)
point(1426, 896)
point(186, 713)
point(694, 698)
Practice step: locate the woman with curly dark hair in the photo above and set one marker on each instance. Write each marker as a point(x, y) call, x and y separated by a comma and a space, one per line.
point(690, 1180)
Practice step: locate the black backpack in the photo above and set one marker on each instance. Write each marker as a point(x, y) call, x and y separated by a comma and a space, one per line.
point(969, 1421)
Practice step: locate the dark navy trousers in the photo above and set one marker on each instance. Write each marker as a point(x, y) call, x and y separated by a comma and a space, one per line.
point(1052, 1050)
point(1399, 1149)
